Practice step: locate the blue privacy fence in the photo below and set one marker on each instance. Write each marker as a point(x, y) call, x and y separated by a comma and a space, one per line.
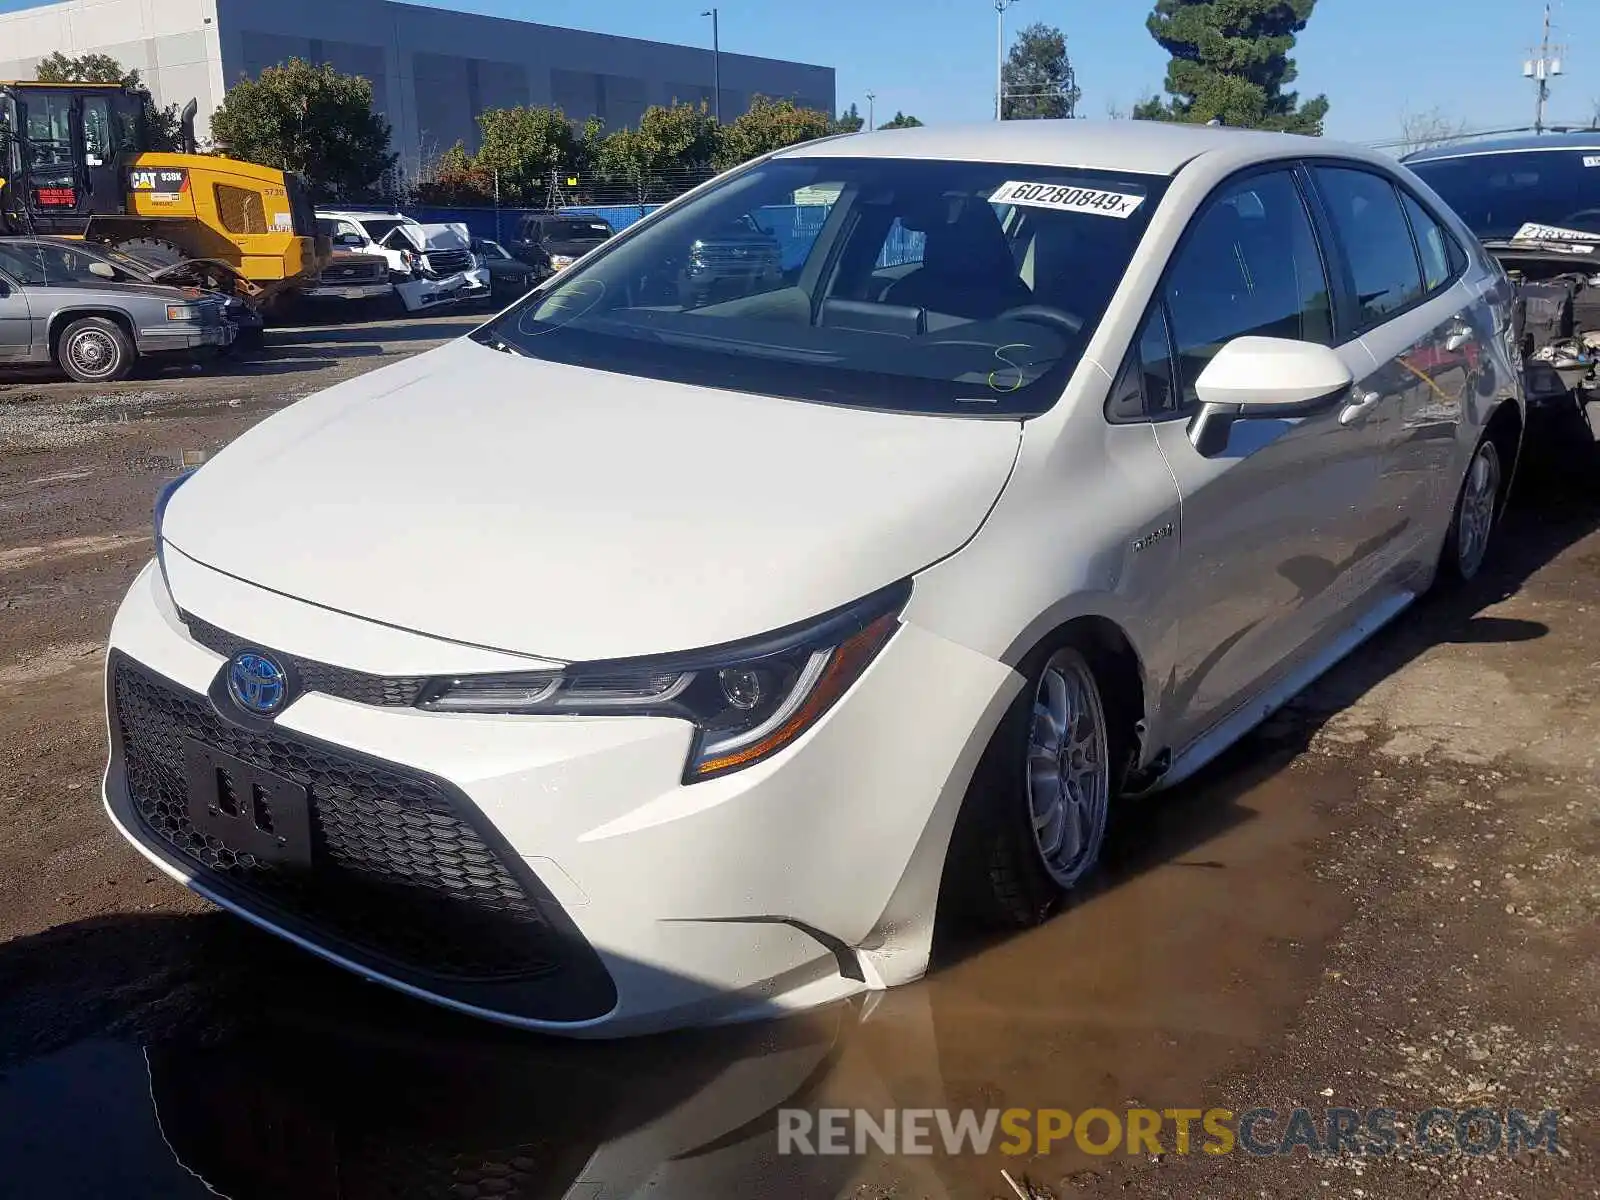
point(795, 226)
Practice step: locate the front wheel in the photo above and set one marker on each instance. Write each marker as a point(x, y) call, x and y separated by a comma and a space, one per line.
point(1477, 512)
point(95, 350)
point(1035, 820)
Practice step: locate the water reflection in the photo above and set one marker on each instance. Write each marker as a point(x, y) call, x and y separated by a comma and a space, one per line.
point(262, 1073)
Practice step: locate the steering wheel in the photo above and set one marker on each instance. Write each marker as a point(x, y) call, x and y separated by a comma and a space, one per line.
point(1045, 315)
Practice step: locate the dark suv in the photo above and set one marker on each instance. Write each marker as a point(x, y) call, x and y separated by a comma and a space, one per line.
point(741, 257)
point(551, 242)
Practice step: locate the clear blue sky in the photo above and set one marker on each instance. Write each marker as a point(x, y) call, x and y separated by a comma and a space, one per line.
point(1375, 59)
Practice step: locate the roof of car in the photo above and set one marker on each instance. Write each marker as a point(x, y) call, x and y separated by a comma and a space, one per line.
point(1584, 140)
point(1141, 147)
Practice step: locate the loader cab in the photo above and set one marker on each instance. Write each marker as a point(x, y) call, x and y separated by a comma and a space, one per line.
point(66, 149)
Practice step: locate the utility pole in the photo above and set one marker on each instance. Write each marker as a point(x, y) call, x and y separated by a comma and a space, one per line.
point(716, 65)
point(1542, 68)
point(1000, 7)
point(872, 120)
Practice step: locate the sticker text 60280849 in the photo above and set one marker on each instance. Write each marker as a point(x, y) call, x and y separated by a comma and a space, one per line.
point(1063, 198)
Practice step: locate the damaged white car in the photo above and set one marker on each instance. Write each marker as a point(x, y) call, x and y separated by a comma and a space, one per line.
point(429, 265)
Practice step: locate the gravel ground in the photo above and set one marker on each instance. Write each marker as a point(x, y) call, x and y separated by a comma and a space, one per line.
point(1386, 898)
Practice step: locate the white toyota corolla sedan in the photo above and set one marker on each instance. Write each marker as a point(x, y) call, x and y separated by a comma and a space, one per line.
point(679, 645)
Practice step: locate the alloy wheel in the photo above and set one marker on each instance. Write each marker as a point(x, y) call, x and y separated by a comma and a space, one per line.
point(1068, 769)
point(1480, 496)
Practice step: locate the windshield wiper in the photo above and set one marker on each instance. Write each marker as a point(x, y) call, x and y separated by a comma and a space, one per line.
point(491, 339)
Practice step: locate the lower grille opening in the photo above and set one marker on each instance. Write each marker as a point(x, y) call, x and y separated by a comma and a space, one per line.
point(398, 875)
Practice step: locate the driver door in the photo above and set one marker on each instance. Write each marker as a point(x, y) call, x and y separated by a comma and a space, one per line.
point(101, 142)
point(1275, 523)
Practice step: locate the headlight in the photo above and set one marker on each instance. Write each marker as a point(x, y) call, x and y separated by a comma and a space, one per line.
point(163, 498)
point(747, 701)
point(559, 261)
point(184, 312)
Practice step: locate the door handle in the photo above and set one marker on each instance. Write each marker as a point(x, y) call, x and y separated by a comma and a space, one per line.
point(1358, 408)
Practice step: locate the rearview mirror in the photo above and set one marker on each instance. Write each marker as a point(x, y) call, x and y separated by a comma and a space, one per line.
point(1255, 378)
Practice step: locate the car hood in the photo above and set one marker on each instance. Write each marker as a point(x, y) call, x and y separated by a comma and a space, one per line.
point(438, 237)
point(574, 514)
point(126, 288)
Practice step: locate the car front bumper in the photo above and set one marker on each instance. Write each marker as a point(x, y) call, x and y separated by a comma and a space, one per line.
point(555, 873)
point(185, 337)
point(356, 291)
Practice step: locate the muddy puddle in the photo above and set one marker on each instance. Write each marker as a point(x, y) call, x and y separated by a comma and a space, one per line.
point(209, 1059)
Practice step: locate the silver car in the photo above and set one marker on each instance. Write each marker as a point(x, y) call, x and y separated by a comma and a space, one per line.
point(63, 304)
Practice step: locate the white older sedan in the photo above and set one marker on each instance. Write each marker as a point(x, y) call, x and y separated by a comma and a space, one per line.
point(663, 654)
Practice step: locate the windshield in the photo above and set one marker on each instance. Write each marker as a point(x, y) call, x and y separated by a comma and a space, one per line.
point(490, 249)
point(1498, 194)
point(574, 229)
point(379, 228)
point(919, 286)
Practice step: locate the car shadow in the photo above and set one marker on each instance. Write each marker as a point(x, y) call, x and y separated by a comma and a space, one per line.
point(402, 329)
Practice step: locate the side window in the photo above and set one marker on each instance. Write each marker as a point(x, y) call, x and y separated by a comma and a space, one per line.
point(1365, 209)
point(1442, 259)
point(1250, 266)
point(1145, 389)
point(350, 229)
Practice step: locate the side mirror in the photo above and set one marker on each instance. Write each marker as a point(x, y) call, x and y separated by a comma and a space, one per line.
point(1260, 378)
point(102, 270)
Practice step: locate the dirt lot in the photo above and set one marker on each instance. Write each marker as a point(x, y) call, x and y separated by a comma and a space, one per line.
point(1387, 898)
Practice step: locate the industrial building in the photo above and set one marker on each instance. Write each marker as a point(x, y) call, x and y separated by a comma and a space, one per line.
point(432, 70)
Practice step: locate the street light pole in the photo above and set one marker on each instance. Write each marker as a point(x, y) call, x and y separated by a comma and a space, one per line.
point(1000, 7)
point(716, 65)
point(872, 118)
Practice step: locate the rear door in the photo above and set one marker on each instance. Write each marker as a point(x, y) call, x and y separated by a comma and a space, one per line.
point(1427, 340)
point(1274, 524)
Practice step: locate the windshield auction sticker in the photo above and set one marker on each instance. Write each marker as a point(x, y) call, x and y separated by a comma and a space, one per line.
point(1068, 199)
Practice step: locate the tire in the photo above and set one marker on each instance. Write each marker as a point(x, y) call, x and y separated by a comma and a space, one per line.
point(1475, 516)
point(153, 252)
point(96, 350)
point(1024, 840)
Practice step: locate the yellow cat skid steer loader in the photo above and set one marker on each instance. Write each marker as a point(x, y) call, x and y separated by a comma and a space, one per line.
point(74, 163)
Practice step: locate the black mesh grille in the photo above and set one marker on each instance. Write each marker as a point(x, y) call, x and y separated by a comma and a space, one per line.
point(382, 690)
point(396, 871)
point(449, 262)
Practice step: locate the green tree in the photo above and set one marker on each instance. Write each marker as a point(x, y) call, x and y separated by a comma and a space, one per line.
point(901, 121)
point(160, 129)
point(769, 125)
point(850, 121)
point(310, 120)
point(456, 179)
point(1038, 78)
point(1230, 60)
point(672, 149)
point(88, 68)
point(529, 148)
